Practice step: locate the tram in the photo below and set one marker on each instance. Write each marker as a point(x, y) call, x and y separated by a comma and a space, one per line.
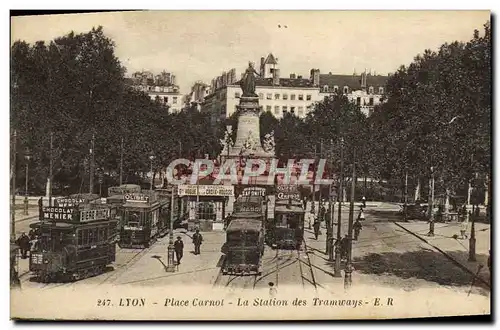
point(76, 240)
point(144, 218)
point(286, 229)
point(244, 247)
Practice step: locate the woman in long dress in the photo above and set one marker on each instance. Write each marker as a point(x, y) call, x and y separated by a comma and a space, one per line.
point(248, 81)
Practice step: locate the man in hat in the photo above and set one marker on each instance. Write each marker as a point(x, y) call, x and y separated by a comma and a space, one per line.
point(179, 249)
point(197, 239)
point(24, 245)
point(357, 228)
point(316, 228)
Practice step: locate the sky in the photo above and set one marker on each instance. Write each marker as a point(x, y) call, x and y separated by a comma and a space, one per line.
point(200, 45)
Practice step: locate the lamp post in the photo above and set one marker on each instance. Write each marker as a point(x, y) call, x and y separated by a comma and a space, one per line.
point(431, 205)
point(348, 266)
point(151, 158)
point(336, 272)
point(170, 249)
point(27, 157)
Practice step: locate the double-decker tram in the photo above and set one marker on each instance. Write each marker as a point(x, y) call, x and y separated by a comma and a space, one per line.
point(144, 218)
point(286, 229)
point(75, 240)
point(244, 247)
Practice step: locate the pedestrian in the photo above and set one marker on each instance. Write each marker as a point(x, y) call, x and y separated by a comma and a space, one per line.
point(361, 215)
point(463, 230)
point(24, 245)
point(272, 289)
point(357, 228)
point(304, 202)
point(363, 200)
point(179, 249)
point(197, 239)
point(31, 234)
point(316, 228)
point(322, 213)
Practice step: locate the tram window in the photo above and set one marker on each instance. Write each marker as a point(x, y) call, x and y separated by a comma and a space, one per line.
point(80, 237)
point(134, 218)
point(100, 234)
point(85, 239)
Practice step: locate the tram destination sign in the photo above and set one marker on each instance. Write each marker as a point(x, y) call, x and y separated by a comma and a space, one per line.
point(254, 192)
point(92, 215)
point(57, 213)
point(206, 190)
point(287, 192)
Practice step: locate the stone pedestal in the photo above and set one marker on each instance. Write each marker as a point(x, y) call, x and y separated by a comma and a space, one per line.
point(248, 133)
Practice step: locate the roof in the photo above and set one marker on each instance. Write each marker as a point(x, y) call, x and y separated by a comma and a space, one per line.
point(133, 205)
point(250, 199)
point(270, 59)
point(284, 82)
point(244, 225)
point(352, 81)
point(288, 209)
point(246, 215)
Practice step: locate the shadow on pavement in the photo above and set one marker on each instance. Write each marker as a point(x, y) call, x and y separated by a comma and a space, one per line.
point(425, 264)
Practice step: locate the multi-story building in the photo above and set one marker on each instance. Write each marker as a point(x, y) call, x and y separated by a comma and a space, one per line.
point(366, 90)
point(161, 88)
point(295, 94)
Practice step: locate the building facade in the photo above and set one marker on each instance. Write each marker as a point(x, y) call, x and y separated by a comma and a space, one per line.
point(296, 95)
point(161, 88)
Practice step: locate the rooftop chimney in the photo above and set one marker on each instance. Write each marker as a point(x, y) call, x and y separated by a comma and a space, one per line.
point(315, 77)
point(262, 69)
point(276, 77)
point(292, 75)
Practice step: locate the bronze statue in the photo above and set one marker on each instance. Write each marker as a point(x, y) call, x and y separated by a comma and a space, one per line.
point(247, 84)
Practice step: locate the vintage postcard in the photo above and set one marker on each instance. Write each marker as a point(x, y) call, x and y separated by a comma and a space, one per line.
point(250, 165)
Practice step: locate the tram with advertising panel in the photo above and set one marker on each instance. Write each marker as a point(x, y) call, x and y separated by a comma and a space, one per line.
point(286, 229)
point(144, 218)
point(76, 239)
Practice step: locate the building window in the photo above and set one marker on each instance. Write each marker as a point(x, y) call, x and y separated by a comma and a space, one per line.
point(269, 96)
point(268, 107)
point(285, 108)
point(335, 89)
point(276, 96)
point(325, 89)
point(276, 109)
point(346, 89)
point(381, 90)
point(301, 97)
point(308, 97)
point(371, 101)
point(309, 108)
point(292, 109)
point(175, 100)
point(370, 90)
point(292, 97)
point(358, 100)
point(261, 96)
point(285, 96)
point(301, 111)
point(165, 99)
point(237, 95)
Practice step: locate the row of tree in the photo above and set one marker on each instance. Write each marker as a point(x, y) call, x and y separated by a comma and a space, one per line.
point(73, 89)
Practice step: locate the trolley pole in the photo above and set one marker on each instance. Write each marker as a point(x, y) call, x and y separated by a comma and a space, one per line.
point(121, 162)
point(170, 249)
point(337, 266)
point(348, 267)
point(92, 159)
point(50, 168)
point(431, 205)
point(13, 207)
point(406, 197)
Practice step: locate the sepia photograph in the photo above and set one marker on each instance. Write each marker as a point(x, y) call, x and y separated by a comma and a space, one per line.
point(250, 165)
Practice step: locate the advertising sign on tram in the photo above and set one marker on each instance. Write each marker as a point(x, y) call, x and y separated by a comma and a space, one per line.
point(287, 192)
point(206, 190)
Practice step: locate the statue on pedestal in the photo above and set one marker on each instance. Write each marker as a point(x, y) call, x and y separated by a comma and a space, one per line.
point(247, 84)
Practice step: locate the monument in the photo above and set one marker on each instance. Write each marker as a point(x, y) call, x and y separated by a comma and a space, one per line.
point(247, 142)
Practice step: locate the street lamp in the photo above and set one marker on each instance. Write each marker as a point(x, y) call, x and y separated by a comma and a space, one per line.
point(338, 253)
point(151, 158)
point(431, 205)
point(170, 249)
point(27, 157)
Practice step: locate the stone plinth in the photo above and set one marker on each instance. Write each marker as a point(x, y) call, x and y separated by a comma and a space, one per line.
point(248, 132)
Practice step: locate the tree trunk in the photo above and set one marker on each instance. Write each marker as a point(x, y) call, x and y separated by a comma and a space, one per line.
point(447, 203)
point(417, 190)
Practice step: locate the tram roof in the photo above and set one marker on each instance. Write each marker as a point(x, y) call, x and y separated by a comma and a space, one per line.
point(133, 205)
point(250, 199)
point(286, 202)
point(246, 214)
point(244, 225)
point(288, 209)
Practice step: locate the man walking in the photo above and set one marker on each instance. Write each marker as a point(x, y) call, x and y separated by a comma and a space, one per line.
point(179, 249)
point(316, 228)
point(361, 215)
point(363, 200)
point(357, 228)
point(24, 245)
point(197, 239)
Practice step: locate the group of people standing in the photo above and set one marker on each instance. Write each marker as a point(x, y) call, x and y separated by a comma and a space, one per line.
point(26, 242)
point(179, 245)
